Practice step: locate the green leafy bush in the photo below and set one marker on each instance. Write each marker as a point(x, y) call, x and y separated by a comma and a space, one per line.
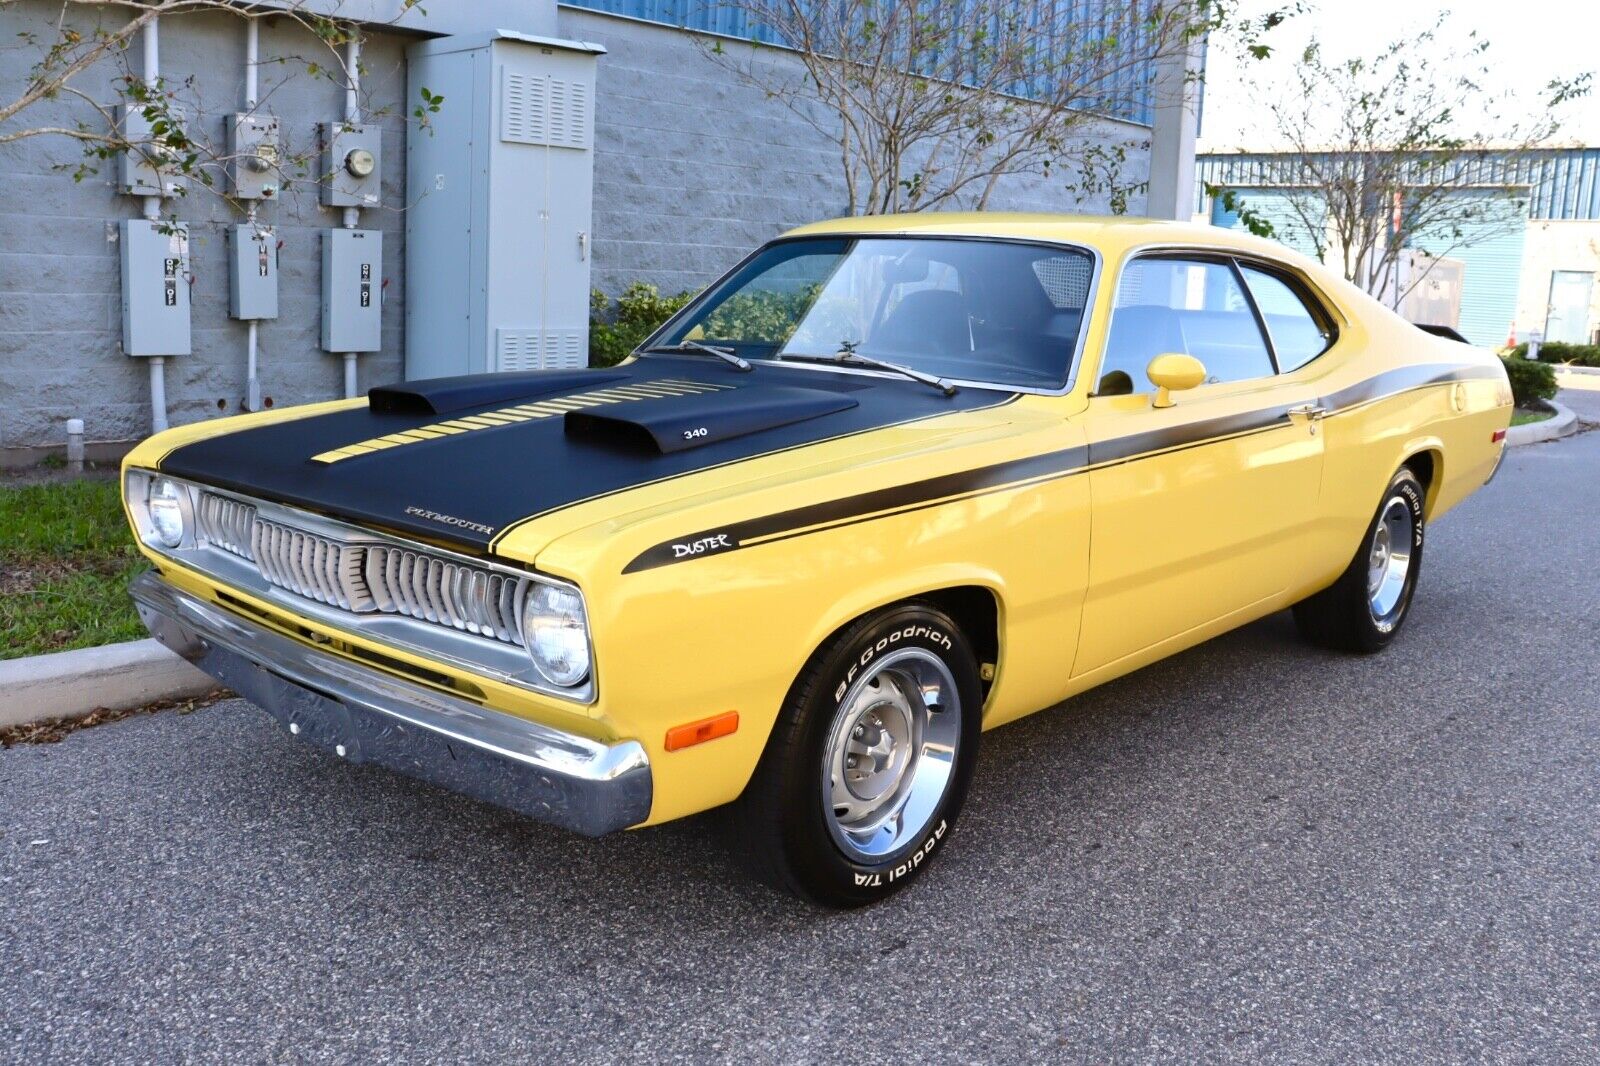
point(1530, 380)
point(1562, 352)
point(763, 315)
point(615, 332)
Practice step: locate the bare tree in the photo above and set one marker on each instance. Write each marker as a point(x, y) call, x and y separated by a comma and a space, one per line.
point(175, 135)
point(1407, 147)
point(930, 103)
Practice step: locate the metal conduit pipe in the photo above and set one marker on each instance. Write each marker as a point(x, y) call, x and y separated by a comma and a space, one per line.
point(352, 215)
point(152, 211)
point(252, 59)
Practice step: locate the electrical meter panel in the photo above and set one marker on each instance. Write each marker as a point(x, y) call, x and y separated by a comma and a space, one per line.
point(155, 287)
point(138, 174)
point(352, 290)
point(352, 165)
point(252, 271)
point(254, 155)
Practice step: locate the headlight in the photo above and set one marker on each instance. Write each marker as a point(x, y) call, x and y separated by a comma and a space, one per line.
point(162, 509)
point(556, 633)
point(166, 512)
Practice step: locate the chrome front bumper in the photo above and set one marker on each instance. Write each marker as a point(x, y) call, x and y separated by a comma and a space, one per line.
point(364, 715)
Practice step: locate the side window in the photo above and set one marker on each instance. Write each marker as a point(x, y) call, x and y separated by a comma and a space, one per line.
point(1189, 306)
point(1298, 335)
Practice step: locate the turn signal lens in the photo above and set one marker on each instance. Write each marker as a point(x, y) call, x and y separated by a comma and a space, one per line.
point(1497, 436)
point(686, 736)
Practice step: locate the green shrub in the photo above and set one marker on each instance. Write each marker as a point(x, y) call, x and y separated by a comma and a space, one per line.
point(614, 333)
point(1562, 352)
point(1530, 380)
point(765, 316)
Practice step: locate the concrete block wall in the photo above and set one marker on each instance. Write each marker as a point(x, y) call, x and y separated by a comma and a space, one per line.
point(60, 287)
point(693, 168)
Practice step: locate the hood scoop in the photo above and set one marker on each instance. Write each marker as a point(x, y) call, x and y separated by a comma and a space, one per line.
point(679, 423)
point(441, 396)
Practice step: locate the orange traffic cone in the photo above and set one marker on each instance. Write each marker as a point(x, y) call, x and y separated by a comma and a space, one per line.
point(1511, 341)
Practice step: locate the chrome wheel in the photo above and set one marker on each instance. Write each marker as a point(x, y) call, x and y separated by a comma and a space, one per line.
point(890, 753)
point(1389, 561)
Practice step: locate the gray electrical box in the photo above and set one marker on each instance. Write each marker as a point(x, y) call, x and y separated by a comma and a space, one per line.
point(155, 287)
point(352, 165)
point(137, 176)
point(498, 230)
point(254, 156)
point(352, 290)
point(252, 271)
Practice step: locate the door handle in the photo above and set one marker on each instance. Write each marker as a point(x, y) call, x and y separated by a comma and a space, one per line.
point(1311, 412)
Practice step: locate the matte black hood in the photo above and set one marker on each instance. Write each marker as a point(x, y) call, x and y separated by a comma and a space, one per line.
point(459, 460)
point(678, 423)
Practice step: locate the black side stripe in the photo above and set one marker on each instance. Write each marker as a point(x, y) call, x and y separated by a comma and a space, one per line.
point(1021, 473)
point(1138, 445)
point(834, 512)
point(1403, 379)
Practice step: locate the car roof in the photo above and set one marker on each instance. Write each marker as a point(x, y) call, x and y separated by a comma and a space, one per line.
point(1109, 233)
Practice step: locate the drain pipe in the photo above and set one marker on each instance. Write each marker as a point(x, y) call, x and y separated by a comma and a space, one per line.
point(352, 215)
point(152, 211)
point(352, 106)
point(252, 59)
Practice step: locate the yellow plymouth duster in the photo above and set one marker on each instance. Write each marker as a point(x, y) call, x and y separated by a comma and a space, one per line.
point(887, 484)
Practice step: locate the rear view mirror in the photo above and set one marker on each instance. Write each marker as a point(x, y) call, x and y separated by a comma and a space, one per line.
point(1173, 371)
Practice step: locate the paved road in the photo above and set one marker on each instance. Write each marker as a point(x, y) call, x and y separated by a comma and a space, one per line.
point(1253, 850)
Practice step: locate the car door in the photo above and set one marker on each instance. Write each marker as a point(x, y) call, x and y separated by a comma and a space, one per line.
point(1200, 509)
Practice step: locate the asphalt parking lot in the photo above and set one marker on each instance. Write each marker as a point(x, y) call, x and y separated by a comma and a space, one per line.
point(1252, 850)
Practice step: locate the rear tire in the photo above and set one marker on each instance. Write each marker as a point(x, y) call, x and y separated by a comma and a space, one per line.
point(868, 765)
point(1363, 610)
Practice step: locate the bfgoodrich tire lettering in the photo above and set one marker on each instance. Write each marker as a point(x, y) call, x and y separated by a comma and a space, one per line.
point(868, 765)
point(1365, 608)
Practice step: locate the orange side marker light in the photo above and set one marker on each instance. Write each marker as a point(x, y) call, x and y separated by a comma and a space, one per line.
point(692, 733)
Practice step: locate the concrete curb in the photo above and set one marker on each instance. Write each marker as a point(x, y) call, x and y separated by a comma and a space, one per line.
point(1568, 368)
point(116, 676)
point(1563, 423)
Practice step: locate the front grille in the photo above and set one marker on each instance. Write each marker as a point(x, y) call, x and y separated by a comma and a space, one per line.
point(448, 593)
point(363, 576)
point(225, 524)
point(316, 567)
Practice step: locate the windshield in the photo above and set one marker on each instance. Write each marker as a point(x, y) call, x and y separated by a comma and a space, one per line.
point(972, 310)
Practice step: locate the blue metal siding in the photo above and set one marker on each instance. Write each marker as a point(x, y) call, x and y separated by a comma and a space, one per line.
point(1276, 207)
point(1131, 86)
point(1491, 249)
point(1564, 182)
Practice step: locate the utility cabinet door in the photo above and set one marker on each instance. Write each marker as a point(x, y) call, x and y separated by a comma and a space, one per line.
point(541, 202)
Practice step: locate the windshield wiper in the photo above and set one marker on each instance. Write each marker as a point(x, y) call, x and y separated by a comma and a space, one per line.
point(727, 355)
point(850, 355)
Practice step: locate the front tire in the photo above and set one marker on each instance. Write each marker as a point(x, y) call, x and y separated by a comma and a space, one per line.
point(1363, 610)
point(869, 762)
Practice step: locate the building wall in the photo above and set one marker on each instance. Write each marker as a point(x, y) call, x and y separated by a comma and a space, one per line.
point(1552, 246)
point(693, 168)
point(60, 286)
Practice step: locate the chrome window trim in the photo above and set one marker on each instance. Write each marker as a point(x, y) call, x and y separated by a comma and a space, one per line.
point(1076, 355)
point(1330, 307)
point(469, 652)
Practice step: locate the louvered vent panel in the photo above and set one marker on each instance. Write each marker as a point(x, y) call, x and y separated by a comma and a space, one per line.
point(538, 109)
point(533, 349)
point(524, 111)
